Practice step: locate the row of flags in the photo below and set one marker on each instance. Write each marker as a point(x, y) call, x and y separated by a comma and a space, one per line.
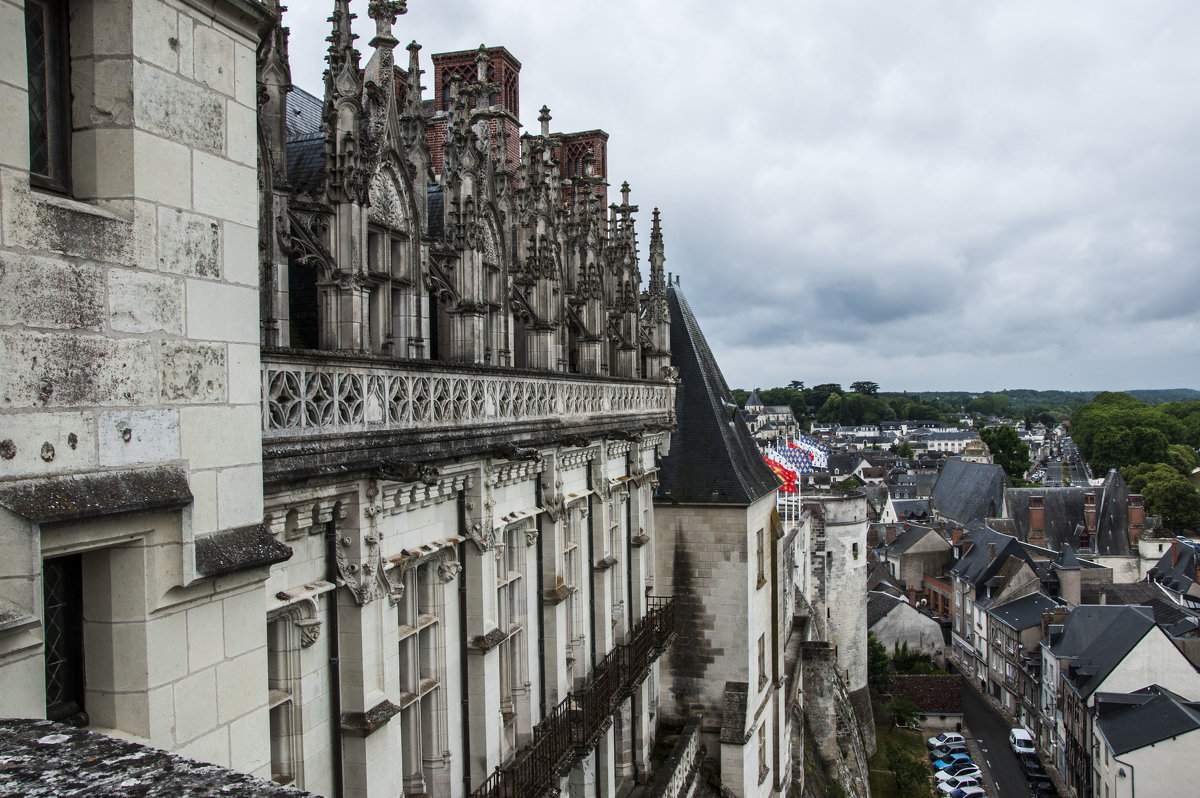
point(791, 458)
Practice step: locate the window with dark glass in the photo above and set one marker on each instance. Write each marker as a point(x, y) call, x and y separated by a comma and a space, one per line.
point(49, 95)
point(62, 586)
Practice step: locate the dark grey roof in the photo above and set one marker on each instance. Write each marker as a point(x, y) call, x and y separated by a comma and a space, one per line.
point(879, 605)
point(906, 539)
point(967, 492)
point(1105, 650)
point(306, 162)
point(1025, 612)
point(911, 508)
point(978, 565)
point(1176, 569)
point(43, 759)
point(843, 463)
point(753, 400)
point(1118, 593)
point(1064, 514)
point(1066, 560)
point(303, 112)
point(713, 458)
point(1130, 721)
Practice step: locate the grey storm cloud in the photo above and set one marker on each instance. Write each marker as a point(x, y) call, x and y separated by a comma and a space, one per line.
point(922, 193)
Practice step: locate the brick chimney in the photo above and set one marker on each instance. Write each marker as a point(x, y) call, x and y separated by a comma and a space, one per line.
point(1089, 513)
point(1037, 521)
point(991, 552)
point(1174, 553)
point(956, 535)
point(1103, 594)
point(1137, 518)
point(890, 533)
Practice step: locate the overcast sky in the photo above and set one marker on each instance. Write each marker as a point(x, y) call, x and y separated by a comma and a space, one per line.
point(927, 194)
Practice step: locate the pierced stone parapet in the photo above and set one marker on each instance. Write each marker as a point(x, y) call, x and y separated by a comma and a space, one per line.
point(304, 395)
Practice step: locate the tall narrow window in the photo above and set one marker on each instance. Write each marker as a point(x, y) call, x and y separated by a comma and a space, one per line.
point(49, 95)
point(62, 587)
point(762, 559)
point(283, 690)
point(422, 674)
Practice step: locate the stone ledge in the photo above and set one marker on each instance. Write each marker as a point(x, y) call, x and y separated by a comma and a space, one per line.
point(74, 496)
point(557, 595)
point(45, 759)
point(364, 724)
point(486, 642)
point(606, 563)
point(238, 549)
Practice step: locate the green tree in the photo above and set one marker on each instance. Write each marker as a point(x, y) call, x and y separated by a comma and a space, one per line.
point(1183, 458)
point(903, 449)
point(796, 385)
point(1168, 494)
point(831, 411)
point(865, 386)
point(1008, 450)
point(849, 483)
point(878, 677)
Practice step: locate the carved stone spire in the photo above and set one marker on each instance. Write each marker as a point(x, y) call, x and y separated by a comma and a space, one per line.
point(341, 40)
point(544, 118)
point(658, 283)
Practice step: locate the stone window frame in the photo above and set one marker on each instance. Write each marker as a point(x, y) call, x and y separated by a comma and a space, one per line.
point(387, 277)
point(421, 618)
point(762, 558)
point(511, 617)
point(54, 73)
point(762, 661)
point(764, 767)
point(285, 701)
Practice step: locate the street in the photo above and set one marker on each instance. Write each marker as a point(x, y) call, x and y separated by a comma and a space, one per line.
point(989, 729)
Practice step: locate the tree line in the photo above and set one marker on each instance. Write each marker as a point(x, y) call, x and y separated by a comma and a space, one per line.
point(1154, 446)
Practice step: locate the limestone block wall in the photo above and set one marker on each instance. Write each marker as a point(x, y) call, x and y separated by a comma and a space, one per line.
point(843, 582)
point(129, 338)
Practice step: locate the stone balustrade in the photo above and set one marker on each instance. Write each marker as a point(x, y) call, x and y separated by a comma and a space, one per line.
point(308, 394)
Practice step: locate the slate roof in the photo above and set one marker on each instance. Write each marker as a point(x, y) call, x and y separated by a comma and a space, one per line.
point(753, 400)
point(1130, 721)
point(1064, 514)
point(303, 112)
point(879, 605)
point(1118, 593)
point(880, 579)
point(977, 566)
point(967, 492)
point(843, 463)
point(1025, 612)
point(713, 458)
point(1176, 569)
point(306, 162)
point(911, 508)
point(1105, 650)
point(908, 538)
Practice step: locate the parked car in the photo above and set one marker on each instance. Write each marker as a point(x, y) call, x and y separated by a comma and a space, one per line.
point(969, 792)
point(945, 738)
point(1042, 787)
point(945, 751)
point(950, 761)
point(1021, 742)
point(1032, 766)
point(965, 769)
point(957, 783)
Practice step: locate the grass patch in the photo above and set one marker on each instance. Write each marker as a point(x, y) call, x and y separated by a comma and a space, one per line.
point(895, 746)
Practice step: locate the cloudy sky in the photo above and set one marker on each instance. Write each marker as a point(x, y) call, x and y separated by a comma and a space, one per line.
point(928, 194)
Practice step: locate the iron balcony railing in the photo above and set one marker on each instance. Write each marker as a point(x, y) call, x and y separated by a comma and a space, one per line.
point(573, 727)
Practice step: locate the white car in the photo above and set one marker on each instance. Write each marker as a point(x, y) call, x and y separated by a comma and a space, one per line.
point(1021, 742)
point(945, 738)
point(973, 792)
point(957, 783)
point(972, 772)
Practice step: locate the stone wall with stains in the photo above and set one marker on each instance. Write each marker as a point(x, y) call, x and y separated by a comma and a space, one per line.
point(129, 343)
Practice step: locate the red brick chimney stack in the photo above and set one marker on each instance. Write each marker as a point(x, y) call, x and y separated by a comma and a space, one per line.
point(1137, 518)
point(1037, 521)
point(1089, 512)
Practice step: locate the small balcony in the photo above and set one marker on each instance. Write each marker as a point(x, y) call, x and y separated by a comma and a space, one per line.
point(571, 729)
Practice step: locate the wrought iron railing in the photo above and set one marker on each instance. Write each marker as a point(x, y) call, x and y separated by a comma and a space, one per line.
point(306, 394)
point(573, 727)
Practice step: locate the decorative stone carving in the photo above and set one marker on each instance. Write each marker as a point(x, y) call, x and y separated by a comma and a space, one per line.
point(448, 569)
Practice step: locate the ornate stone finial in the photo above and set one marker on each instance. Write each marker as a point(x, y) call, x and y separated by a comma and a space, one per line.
point(544, 118)
point(625, 193)
point(589, 163)
point(481, 62)
point(384, 12)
